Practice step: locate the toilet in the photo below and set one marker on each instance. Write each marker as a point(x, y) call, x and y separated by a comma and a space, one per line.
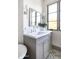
point(22, 50)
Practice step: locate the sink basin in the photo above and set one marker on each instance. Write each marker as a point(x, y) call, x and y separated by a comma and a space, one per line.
point(41, 32)
point(38, 33)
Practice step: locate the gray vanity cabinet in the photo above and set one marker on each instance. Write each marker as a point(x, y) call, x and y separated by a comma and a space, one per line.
point(38, 48)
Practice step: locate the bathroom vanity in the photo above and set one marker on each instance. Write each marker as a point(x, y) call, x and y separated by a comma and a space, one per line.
point(38, 45)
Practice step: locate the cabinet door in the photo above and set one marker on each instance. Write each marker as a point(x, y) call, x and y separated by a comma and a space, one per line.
point(40, 51)
point(46, 48)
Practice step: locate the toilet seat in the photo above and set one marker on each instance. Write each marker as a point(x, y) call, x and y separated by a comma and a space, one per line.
point(22, 50)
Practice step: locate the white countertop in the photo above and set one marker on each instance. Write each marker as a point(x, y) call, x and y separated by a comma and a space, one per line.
point(37, 34)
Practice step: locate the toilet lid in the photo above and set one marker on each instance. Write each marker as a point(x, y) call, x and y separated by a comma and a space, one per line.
point(22, 50)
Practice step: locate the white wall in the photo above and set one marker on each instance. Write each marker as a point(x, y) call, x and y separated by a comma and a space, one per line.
point(51, 1)
point(20, 21)
point(56, 38)
point(34, 4)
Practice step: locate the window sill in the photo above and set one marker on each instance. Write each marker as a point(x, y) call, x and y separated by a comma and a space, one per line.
point(54, 30)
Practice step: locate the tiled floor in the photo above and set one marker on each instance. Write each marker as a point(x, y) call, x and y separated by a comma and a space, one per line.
point(54, 54)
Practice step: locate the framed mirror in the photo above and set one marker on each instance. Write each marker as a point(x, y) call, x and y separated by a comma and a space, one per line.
point(34, 17)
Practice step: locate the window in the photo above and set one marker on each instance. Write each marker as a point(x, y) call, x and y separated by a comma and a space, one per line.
point(54, 16)
point(35, 17)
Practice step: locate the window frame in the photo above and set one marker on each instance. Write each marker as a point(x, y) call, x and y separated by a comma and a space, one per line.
point(58, 16)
